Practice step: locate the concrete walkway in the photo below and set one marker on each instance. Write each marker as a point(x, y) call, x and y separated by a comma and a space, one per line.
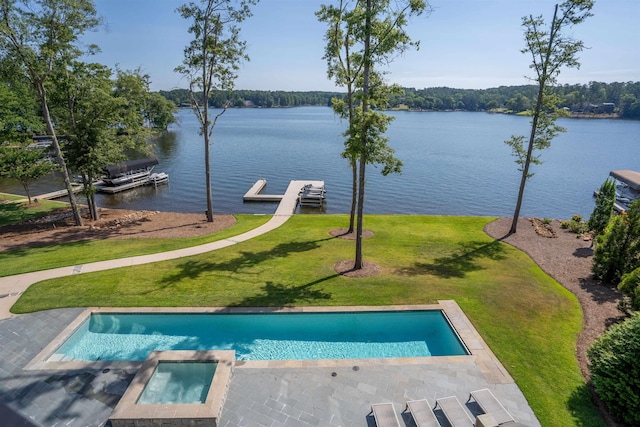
point(11, 287)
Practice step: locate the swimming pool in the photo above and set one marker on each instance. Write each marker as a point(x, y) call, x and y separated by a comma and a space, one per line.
point(265, 336)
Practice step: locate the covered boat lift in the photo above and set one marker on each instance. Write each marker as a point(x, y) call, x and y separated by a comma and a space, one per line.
point(627, 188)
point(121, 168)
point(129, 174)
point(631, 178)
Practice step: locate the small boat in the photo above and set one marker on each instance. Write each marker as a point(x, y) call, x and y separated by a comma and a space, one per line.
point(311, 195)
point(158, 178)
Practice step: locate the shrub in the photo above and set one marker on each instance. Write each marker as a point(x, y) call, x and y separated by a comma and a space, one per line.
point(630, 286)
point(601, 214)
point(575, 225)
point(618, 250)
point(615, 369)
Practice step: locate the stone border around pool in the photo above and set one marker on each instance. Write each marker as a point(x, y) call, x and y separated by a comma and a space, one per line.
point(128, 413)
point(481, 354)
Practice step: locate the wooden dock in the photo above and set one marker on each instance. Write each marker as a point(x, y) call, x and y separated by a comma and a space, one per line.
point(288, 200)
point(112, 189)
point(255, 193)
point(58, 194)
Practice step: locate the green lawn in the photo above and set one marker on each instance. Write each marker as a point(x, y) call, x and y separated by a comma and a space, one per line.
point(14, 208)
point(528, 320)
point(83, 252)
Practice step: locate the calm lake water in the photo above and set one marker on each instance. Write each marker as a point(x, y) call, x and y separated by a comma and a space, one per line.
point(455, 163)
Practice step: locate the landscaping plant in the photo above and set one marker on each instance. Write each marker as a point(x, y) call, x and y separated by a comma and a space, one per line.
point(603, 210)
point(618, 251)
point(630, 286)
point(615, 369)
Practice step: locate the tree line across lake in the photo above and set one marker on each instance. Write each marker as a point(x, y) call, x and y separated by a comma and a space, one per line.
point(622, 99)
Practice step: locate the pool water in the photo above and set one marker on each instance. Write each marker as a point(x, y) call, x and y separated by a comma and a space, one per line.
point(272, 336)
point(178, 382)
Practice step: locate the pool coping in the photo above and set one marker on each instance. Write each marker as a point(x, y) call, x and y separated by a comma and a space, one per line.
point(481, 354)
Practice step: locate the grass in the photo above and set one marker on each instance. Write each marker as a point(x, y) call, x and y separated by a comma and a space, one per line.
point(83, 252)
point(14, 208)
point(529, 320)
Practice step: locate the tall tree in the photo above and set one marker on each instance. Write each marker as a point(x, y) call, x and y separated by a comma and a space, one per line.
point(42, 35)
point(550, 51)
point(102, 118)
point(343, 53)
point(362, 35)
point(211, 62)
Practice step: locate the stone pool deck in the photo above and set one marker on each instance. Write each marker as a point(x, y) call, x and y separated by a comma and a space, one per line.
point(326, 393)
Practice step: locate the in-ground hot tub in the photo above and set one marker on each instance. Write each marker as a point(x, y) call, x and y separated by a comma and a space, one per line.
point(176, 388)
point(178, 382)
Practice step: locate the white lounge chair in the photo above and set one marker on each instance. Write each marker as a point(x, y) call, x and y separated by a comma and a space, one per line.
point(491, 405)
point(422, 413)
point(385, 415)
point(454, 412)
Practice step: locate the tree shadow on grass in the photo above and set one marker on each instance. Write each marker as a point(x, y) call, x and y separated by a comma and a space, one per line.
point(192, 269)
point(586, 407)
point(11, 211)
point(460, 263)
point(277, 295)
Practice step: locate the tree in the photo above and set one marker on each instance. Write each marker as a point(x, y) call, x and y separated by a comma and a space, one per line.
point(344, 65)
point(630, 286)
point(42, 35)
point(362, 35)
point(550, 51)
point(103, 119)
point(211, 61)
point(159, 113)
point(23, 164)
point(18, 122)
point(615, 369)
point(601, 214)
point(18, 111)
point(618, 251)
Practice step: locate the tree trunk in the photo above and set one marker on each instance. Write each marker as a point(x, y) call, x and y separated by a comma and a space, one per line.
point(56, 147)
point(207, 166)
point(352, 160)
point(354, 194)
point(527, 163)
point(542, 80)
point(359, 263)
point(205, 128)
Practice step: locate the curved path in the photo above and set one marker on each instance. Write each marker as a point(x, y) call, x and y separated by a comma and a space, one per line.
point(11, 287)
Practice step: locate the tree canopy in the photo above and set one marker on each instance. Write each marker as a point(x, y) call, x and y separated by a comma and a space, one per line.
point(620, 98)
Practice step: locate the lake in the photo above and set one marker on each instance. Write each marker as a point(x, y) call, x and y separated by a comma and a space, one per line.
point(455, 163)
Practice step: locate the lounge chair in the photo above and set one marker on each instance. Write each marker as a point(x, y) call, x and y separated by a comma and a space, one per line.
point(492, 406)
point(454, 412)
point(385, 415)
point(422, 413)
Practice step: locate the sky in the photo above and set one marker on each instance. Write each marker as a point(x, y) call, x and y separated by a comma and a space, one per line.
point(470, 44)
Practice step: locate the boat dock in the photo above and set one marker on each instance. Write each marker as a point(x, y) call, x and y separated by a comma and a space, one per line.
point(58, 194)
point(255, 193)
point(153, 179)
point(112, 189)
point(288, 201)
